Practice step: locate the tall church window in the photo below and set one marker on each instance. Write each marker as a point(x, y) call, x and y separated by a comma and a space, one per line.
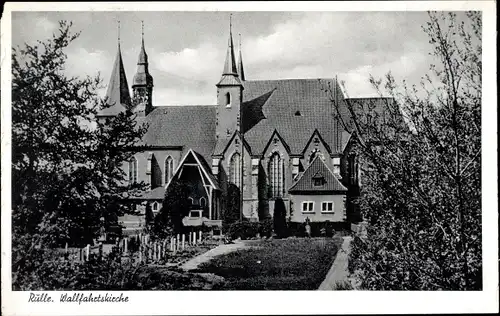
point(235, 169)
point(169, 169)
point(228, 100)
point(132, 170)
point(276, 178)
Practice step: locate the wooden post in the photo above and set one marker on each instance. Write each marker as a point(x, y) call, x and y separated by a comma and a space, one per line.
point(189, 238)
point(194, 238)
point(125, 245)
point(178, 242)
point(100, 251)
point(172, 244)
point(183, 241)
point(66, 248)
point(164, 248)
point(200, 236)
point(88, 252)
point(81, 254)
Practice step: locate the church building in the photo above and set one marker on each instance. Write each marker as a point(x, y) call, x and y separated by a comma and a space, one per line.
point(268, 139)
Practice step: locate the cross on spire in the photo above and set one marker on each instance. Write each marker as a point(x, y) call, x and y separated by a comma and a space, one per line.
point(118, 32)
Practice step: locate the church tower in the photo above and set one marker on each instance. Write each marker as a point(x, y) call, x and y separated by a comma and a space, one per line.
point(229, 95)
point(117, 93)
point(241, 71)
point(142, 85)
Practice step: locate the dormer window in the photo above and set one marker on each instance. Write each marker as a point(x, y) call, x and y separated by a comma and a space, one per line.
point(298, 113)
point(318, 181)
point(228, 100)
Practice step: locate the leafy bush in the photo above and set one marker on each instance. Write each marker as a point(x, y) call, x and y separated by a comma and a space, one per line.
point(243, 230)
point(318, 229)
point(266, 227)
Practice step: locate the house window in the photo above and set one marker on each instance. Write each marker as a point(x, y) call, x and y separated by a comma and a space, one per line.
point(169, 169)
point(203, 202)
point(155, 206)
point(195, 213)
point(307, 207)
point(327, 207)
point(235, 169)
point(228, 100)
point(276, 178)
point(319, 181)
point(132, 170)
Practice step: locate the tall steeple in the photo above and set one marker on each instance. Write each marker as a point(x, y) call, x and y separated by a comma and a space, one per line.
point(117, 94)
point(143, 82)
point(229, 95)
point(241, 72)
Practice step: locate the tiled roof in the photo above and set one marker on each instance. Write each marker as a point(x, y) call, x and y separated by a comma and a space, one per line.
point(190, 126)
point(284, 99)
point(117, 94)
point(155, 194)
point(317, 168)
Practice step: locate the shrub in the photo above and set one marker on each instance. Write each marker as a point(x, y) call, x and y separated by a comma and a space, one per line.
point(243, 230)
point(266, 227)
point(329, 228)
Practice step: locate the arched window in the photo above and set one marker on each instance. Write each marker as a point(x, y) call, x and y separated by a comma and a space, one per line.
point(228, 100)
point(191, 201)
point(155, 206)
point(203, 202)
point(169, 169)
point(276, 178)
point(235, 169)
point(132, 170)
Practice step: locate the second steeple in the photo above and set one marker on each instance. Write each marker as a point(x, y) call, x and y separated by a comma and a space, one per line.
point(142, 84)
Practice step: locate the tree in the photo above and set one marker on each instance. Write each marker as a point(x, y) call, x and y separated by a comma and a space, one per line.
point(420, 158)
point(175, 207)
point(66, 166)
point(231, 213)
point(279, 218)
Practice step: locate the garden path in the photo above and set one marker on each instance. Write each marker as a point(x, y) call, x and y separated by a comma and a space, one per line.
point(339, 270)
point(207, 256)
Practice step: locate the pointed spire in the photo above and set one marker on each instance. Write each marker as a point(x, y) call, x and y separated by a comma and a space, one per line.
point(143, 57)
point(142, 76)
point(230, 63)
point(118, 94)
point(241, 72)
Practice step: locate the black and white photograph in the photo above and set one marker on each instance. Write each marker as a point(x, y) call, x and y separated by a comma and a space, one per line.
point(325, 152)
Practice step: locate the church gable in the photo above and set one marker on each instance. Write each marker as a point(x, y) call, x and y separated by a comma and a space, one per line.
point(316, 146)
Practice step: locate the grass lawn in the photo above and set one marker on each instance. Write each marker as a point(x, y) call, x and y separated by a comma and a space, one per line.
point(286, 264)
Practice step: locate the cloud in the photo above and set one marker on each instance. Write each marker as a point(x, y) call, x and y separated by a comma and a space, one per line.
point(82, 62)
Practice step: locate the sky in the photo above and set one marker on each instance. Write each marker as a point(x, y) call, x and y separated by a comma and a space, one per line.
point(187, 49)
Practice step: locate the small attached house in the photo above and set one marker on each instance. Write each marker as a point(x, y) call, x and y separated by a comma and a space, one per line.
point(318, 195)
point(204, 192)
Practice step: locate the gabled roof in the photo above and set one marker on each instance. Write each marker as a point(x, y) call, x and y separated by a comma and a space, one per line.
point(117, 94)
point(187, 126)
point(316, 133)
point(205, 168)
point(317, 168)
point(223, 144)
point(275, 133)
point(289, 96)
